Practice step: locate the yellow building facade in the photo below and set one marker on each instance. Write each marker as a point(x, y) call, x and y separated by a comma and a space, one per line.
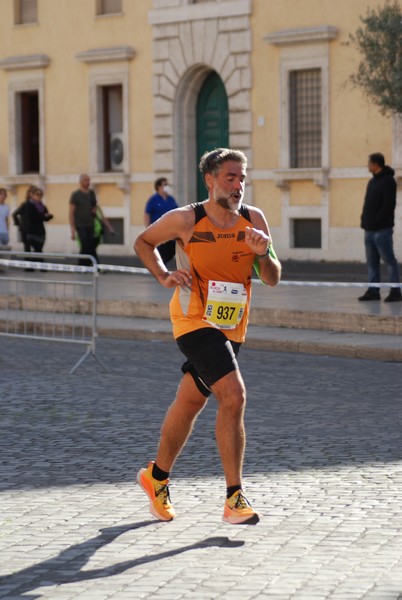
point(129, 90)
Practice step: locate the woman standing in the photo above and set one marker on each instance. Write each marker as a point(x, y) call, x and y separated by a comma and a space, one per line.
point(19, 218)
point(36, 213)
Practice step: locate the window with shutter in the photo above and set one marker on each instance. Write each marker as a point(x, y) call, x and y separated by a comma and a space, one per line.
point(108, 7)
point(25, 11)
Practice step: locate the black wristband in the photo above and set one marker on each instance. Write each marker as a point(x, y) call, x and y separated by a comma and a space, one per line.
point(266, 254)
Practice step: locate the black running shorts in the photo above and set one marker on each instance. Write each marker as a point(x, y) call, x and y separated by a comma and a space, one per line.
point(210, 356)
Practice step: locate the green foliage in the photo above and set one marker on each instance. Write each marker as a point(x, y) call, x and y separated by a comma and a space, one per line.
point(379, 41)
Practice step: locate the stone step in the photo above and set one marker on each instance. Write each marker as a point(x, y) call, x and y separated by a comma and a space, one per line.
point(276, 339)
point(272, 317)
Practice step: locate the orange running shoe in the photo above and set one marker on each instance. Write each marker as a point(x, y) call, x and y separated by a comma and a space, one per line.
point(158, 494)
point(238, 510)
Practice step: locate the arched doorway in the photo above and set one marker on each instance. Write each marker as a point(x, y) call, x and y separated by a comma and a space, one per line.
point(212, 121)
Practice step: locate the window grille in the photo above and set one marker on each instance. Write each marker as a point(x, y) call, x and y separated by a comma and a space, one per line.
point(305, 118)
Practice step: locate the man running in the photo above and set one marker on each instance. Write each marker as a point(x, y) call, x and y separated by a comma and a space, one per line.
point(218, 242)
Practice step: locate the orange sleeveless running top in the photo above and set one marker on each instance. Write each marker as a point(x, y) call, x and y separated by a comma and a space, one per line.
point(212, 255)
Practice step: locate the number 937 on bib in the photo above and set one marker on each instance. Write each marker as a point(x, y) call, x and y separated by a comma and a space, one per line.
point(225, 304)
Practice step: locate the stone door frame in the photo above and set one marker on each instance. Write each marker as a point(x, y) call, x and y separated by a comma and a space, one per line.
point(187, 45)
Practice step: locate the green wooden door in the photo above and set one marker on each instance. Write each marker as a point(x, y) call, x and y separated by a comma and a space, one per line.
point(212, 122)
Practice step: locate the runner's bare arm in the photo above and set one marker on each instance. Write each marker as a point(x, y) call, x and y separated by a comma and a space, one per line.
point(258, 238)
point(174, 225)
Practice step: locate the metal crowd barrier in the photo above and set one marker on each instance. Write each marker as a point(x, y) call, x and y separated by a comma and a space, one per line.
point(60, 306)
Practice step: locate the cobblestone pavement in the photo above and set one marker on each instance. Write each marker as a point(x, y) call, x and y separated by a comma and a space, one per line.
point(323, 466)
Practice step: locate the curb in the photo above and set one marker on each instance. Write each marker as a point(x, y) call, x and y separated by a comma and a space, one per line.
point(268, 339)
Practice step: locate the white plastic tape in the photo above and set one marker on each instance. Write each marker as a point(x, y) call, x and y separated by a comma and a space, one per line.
point(142, 271)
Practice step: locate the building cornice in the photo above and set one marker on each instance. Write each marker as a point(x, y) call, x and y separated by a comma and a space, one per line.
point(23, 62)
point(323, 33)
point(283, 177)
point(196, 12)
point(102, 55)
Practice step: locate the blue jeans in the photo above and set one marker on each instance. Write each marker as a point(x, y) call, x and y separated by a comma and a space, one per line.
point(379, 245)
point(4, 239)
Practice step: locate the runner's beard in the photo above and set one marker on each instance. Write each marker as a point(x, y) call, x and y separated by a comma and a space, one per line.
point(228, 202)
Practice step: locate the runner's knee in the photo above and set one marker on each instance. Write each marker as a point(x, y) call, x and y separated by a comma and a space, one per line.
point(230, 392)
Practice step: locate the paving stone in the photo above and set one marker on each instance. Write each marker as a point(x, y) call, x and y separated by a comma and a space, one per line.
point(323, 465)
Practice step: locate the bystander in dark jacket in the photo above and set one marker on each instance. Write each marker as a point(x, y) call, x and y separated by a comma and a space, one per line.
point(36, 214)
point(377, 220)
point(20, 219)
point(380, 201)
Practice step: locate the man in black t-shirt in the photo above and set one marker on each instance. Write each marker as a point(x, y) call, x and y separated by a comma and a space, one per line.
point(82, 217)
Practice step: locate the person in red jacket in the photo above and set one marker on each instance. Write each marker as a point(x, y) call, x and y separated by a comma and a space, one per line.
point(377, 220)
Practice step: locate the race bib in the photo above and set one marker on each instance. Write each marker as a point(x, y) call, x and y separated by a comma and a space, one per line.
point(225, 304)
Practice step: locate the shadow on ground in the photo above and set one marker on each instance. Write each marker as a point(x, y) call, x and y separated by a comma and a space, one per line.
point(67, 566)
point(303, 412)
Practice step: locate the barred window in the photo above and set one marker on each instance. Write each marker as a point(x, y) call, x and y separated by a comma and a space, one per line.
point(25, 11)
point(108, 7)
point(305, 118)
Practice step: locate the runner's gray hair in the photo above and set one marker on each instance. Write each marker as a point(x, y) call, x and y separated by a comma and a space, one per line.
point(212, 160)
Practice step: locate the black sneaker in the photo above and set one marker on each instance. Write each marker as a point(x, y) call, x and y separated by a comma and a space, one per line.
point(394, 295)
point(370, 295)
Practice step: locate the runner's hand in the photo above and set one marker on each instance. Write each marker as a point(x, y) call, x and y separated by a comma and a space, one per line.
point(181, 277)
point(257, 240)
